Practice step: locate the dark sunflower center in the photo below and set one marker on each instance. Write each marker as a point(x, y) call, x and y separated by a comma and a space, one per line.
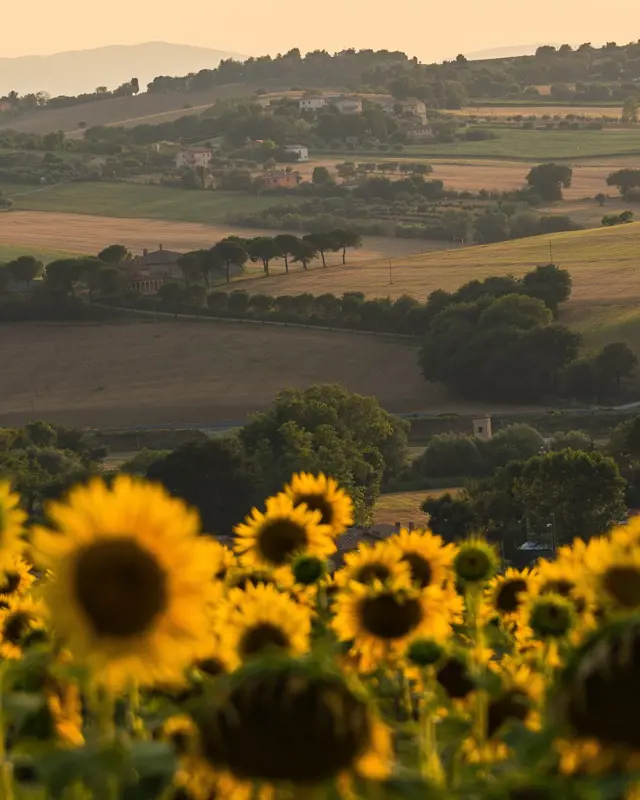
point(623, 585)
point(550, 619)
point(221, 574)
point(512, 706)
point(508, 596)
point(181, 742)
point(421, 572)
point(561, 587)
point(211, 666)
point(120, 587)
point(473, 564)
point(280, 539)
point(388, 616)
point(317, 502)
point(599, 695)
point(454, 678)
point(320, 727)
point(372, 572)
point(11, 583)
point(262, 637)
point(16, 627)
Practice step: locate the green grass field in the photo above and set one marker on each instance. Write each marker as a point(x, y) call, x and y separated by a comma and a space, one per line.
point(9, 252)
point(527, 145)
point(132, 200)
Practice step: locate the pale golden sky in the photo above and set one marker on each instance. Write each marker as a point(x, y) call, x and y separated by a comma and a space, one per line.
point(429, 29)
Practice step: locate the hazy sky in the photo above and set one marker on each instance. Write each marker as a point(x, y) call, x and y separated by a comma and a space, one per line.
point(428, 29)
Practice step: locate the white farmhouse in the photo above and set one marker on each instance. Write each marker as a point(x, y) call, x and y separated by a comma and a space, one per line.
point(299, 149)
point(194, 157)
point(311, 103)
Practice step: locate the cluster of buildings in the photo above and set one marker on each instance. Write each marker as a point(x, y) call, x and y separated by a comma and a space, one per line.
point(353, 105)
point(147, 273)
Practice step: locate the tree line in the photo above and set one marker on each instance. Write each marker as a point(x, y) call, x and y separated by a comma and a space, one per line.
point(499, 340)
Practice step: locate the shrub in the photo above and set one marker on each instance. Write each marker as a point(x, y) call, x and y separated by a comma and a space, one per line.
point(450, 455)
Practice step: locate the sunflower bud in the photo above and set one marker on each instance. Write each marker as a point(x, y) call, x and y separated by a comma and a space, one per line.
point(551, 616)
point(424, 652)
point(308, 570)
point(475, 562)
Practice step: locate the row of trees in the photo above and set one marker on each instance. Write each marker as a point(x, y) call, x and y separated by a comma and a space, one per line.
point(493, 341)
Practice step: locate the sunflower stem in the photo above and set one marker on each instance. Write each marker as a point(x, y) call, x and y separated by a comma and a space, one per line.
point(473, 598)
point(431, 765)
point(135, 723)
point(6, 768)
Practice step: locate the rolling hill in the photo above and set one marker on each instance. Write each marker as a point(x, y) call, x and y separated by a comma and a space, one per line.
point(80, 71)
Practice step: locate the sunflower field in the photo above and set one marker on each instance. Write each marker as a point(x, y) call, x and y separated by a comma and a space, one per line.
point(141, 659)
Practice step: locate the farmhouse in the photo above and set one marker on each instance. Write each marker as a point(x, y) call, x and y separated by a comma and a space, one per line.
point(149, 271)
point(299, 150)
point(408, 108)
point(279, 179)
point(312, 103)
point(193, 157)
point(348, 105)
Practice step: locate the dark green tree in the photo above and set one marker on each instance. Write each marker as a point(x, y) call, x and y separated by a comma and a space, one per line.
point(550, 284)
point(548, 180)
point(344, 238)
point(303, 252)
point(264, 249)
point(214, 477)
point(450, 516)
point(321, 176)
point(322, 243)
point(579, 494)
point(25, 269)
point(614, 362)
point(286, 244)
point(115, 254)
point(230, 252)
point(172, 296)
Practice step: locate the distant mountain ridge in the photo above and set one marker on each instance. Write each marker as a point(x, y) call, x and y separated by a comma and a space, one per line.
point(80, 71)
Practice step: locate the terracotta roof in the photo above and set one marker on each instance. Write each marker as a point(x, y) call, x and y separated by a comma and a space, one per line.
point(158, 257)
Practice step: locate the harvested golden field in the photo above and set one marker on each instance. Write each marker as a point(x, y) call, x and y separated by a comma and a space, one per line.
point(144, 373)
point(500, 112)
point(475, 174)
point(603, 262)
point(405, 507)
point(83, 233)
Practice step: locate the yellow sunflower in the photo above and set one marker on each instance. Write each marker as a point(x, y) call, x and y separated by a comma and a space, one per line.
point(520, 697)
point(429, 558)
point(505, 593)
point(264, 619)
point(65, 708)
point(20, 622)
point(12, 519)
point(614, 573)
point(475, 562)
point(129, 590)
point(380, 562)
point(221, 560)
point(16, 579)
point(565, 577)
point(272, 539)
point(293, 722)
point(323, 494)
point(381, 620)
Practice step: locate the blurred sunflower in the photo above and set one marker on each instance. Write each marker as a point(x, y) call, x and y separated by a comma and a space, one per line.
point(259, 726)
point(264, 619)
point(272, 539)
point(374, 563)
point(475, 562)
point(567, 578)
point(506, 592)
point(12, 519)
point(65, 707)
point(221, 559)
point(548, 616)
point(615, 575)
point(381, 620)
point(323, 494)
point(428, 557)
point(519, 699)
point(16, 578)
point(129, 589)
point(20, 622)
